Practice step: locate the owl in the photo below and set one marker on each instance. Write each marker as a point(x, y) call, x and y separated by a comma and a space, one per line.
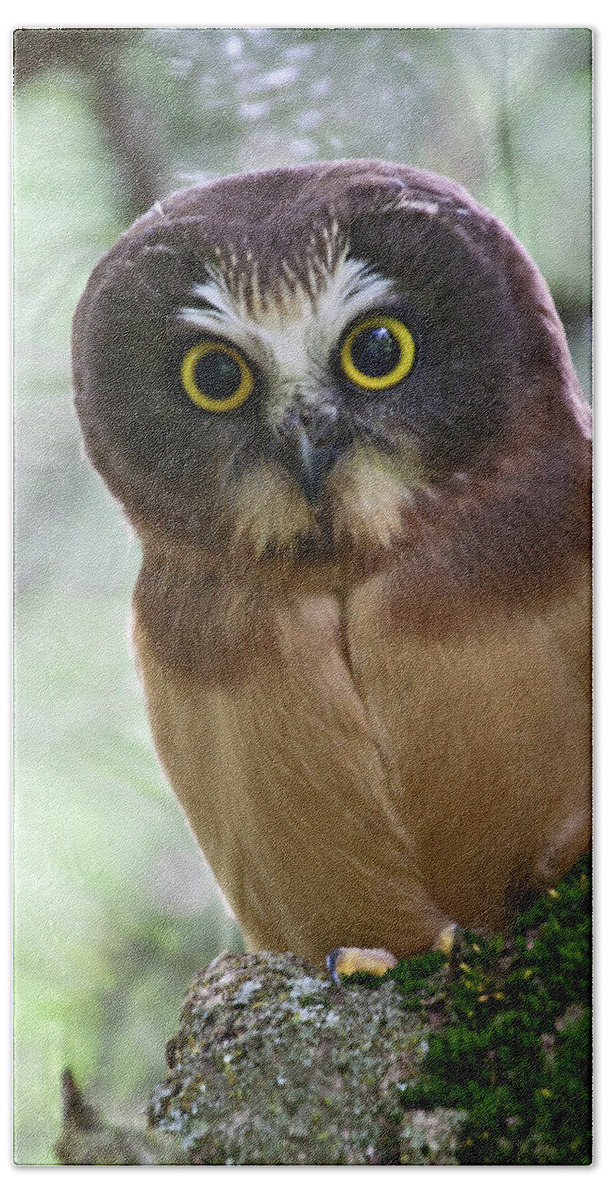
point(337, 405)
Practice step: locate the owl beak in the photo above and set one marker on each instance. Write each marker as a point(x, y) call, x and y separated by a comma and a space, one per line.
point(311, 465)
point(307, 457)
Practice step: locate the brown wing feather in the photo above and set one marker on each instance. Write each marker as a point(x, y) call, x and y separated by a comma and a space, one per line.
point(487, 733)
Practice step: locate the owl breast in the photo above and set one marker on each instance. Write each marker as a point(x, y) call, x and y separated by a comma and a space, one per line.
point(351, 784)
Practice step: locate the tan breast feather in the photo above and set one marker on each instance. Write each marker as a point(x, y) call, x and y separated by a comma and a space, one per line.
point(352, 783)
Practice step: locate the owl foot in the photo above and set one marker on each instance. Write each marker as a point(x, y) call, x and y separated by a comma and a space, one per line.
point(350, 960)
point(448, 940)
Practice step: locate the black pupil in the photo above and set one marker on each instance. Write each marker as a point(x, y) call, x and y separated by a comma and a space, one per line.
point(375, 351)
point(217, 375)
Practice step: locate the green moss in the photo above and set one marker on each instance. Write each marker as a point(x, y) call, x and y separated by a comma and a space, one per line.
point(511, 1040)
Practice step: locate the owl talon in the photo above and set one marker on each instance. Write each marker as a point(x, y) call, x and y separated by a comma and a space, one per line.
point(448, 940)
point(350, 960)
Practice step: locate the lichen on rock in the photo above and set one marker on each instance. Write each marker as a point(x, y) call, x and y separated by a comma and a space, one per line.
point(276, 1064)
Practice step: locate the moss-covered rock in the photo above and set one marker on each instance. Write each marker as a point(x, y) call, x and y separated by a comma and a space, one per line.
point(483, 1058)
point(511, 1040)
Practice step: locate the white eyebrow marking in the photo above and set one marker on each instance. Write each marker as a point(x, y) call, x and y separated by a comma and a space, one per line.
point(292, 332)
point(314, 314)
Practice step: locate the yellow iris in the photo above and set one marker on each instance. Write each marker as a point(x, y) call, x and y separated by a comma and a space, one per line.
point(361, 356)
point(216, 377)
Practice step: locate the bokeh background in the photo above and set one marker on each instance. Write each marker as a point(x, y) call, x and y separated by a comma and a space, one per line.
point(115, 908)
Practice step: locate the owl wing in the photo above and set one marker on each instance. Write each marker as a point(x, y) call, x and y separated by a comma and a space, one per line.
point(484, 733)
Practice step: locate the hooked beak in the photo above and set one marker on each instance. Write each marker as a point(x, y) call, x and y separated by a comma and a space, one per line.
point(310, 454)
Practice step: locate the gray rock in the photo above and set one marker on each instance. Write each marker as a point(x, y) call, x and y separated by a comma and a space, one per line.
point(275, 1064)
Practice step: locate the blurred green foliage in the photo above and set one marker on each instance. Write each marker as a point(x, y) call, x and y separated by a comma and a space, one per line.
point(114, 906)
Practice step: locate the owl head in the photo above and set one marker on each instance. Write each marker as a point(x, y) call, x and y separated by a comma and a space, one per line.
point(315, 363)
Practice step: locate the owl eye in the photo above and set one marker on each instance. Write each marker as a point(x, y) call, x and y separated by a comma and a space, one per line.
point(378, 352)
point(216, 377)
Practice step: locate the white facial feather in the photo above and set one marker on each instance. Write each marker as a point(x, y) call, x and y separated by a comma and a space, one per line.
point(290, 334)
